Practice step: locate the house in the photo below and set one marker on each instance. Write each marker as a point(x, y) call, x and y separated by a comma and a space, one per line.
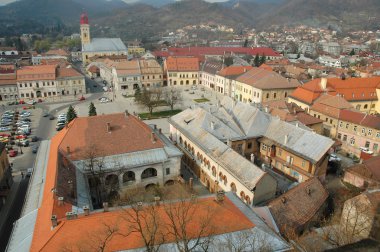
point(6, 179)
point(8, 82)
point(327, 108)
point(58, 54)
point(357, 130)
point(151, 73)
point(364, 175)
point(49, 80)
point(259, 85)
point(98, 46)
point(227, 76)
point(291, 113)
point(182, 70)
point(360, 92)
point(207, 75)
point(135, 47)
point(299, 208)
point(125, 76)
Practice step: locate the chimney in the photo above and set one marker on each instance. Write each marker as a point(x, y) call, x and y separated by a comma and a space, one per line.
point(60, 201)
point(153, 137)
point(105, 206)
point(68, 150)
point(109, 127)
point(126, 113)
point(71, 215)
point(252, 158)
point(54, 221)
point(212, 125)
point(139, 205)
point(323, 83)
point(160, 131)
point(286, 139)
point(86, 210)
point(157, 200)
point(219, 196)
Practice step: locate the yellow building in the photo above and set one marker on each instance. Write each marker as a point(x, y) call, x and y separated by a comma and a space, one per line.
point(182, 70)
point(98, 46)
point(259, 85)
point(135, 48)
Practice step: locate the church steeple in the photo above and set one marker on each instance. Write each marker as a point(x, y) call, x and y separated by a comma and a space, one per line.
point(84, 29)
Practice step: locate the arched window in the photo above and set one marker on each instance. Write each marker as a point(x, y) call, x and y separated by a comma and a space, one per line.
point(180, 140)
point(185, 144)
point(225, 180)
point(112, 180)
point(194, 82)
point(213, 171)
point(129, 176)
point(233, 187)
point(187, 82)
point(365, 106)
point(242, 195)
point(248, 200)
point(149, 173)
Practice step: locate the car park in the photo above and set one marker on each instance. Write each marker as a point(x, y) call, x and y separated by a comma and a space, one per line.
point(334, 158)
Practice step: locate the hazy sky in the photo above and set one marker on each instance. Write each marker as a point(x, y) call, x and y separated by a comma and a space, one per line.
point(3, 2)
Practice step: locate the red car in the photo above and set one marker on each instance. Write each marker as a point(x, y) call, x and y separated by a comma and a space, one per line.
point(39, 100)
point(13, 153)
point(82, 98)
point(21, 102)
point(20, 137)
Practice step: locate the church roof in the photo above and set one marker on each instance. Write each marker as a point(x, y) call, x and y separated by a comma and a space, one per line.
point(105, 45)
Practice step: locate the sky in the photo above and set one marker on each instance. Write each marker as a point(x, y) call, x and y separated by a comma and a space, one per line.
point(4, 2)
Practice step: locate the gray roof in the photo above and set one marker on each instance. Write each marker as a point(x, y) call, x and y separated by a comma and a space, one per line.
point(235, 120)
point(105, 45)
point(199, 129)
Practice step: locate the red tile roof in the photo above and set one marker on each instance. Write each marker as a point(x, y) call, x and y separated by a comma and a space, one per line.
point(182, 64)
point(351, 89)
point(298, 206)
point(68, 72)
point(359, 118)
point(202, 51)
point(41, 72)
point(370, 168)
point(234, 70)
point(331, 105)
point(90, 132)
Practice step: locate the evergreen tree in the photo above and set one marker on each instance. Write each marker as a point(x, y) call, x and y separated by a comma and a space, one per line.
point(245, 43)
point(71, 114)
point(256, 61)
point(352, 52)
point(92, 110)
point(137, 94)
point(262, 59)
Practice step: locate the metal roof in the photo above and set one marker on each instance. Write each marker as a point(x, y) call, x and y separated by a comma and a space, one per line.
point(105, 45)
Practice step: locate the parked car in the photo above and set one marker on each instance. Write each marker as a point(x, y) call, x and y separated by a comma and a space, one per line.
point(45, 114)
point(22, 142)
point(13, 153)
point(334, 158)
point(104, 100)
point(29, 172)
point(31, 102)
point(105, 89)
point(59, 127)
point(39, 100)
point(82, 98)
point(34, 139)
point(35, 149)
point(366, 150)
point(11, 103)
point(51, 117)
point(26, 119)
point(21, 102)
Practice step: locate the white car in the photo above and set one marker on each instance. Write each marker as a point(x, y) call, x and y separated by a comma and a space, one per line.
point(104, 100)
point(334, 158)
point(105, 89)
point(31, 102)
point(366, 150)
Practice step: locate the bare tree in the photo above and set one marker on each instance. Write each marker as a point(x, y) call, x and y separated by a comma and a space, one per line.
point(182, 216)
point(246, 240)
point(172, 97)
point(354, 223)
point(144, 219)
point(150, 98)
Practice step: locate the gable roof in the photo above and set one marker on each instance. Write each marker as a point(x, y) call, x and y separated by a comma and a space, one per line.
point(212, 67)
point(234, 70)
point(179, 64)
point(264, 79)
point(105, 45)
point(40, 72)
point(287, 210)
point(331, 105)
point(359, 118)
point(370, 168)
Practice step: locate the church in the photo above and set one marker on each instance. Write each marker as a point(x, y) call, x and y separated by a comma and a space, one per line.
point(98, 46)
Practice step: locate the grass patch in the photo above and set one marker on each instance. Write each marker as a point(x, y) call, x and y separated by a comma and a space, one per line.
point(159, 114)
point(201, 100)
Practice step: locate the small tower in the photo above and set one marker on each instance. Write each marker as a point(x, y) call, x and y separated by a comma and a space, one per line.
point(84, 29)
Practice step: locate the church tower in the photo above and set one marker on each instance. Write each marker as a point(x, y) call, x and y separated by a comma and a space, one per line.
point(84, 29)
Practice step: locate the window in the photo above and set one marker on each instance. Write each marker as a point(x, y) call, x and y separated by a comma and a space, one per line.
point(367, 143)
point(352, 141)
point(274, 95)
point(331, 121)
point(249, 145)
point(280, 152)
point(339, 136)
point(365, 106)
point(355, 128)
point(264, 147)
point(369, 132)
point(267, 96)
point(347, 125)
point(363, 130)
point(167, 171)
point(340, 124)
point(378, 134)
point(345, 138)
point(303, 163)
